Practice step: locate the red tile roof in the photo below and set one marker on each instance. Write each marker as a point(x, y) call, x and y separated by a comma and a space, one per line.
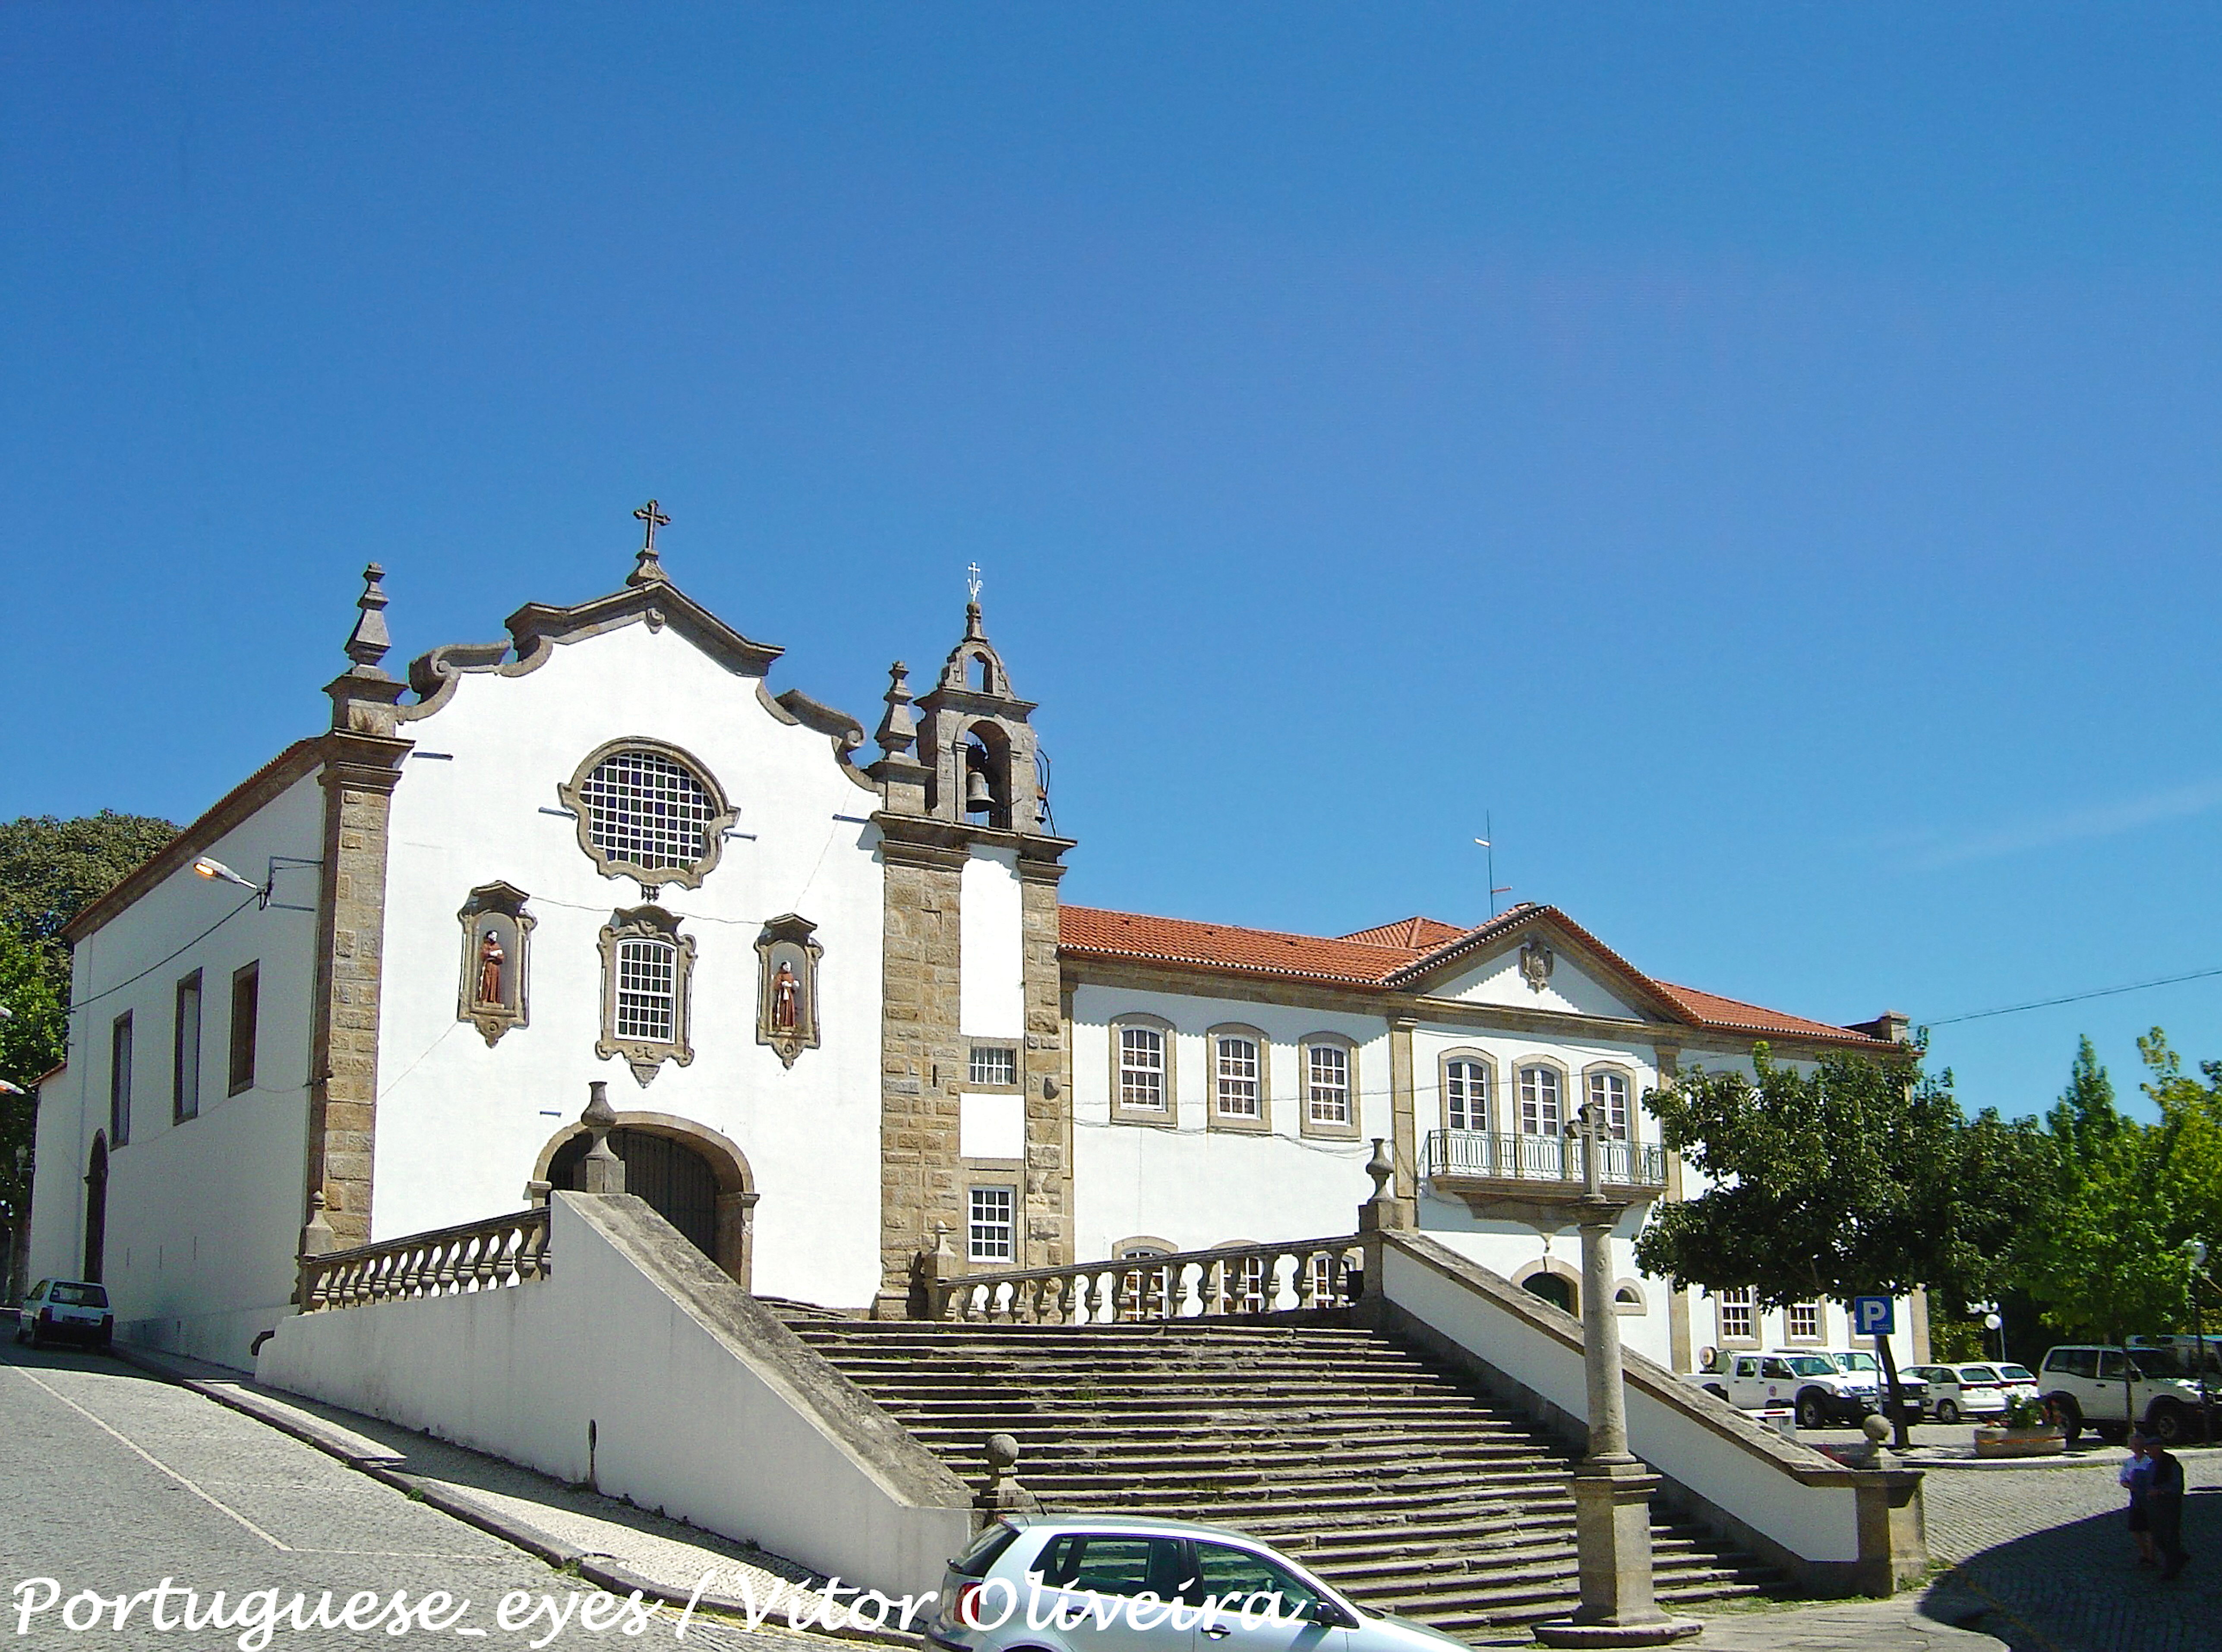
point(1392, 956)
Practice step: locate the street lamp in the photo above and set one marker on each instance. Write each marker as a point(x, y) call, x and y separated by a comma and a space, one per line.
point(2196, 1250)
point(208, 867)
point(1994, 1323)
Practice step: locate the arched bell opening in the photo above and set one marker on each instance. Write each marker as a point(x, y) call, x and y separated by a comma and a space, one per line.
point(987, 777)
point(693, 1177)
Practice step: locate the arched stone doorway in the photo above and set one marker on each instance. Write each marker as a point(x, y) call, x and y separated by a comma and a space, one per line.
point(1555, 1283)
point(96, 1209)
point(695, 1179)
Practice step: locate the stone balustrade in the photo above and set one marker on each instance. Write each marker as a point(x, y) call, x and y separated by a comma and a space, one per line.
point(1188, 1285)
point(447, 1261)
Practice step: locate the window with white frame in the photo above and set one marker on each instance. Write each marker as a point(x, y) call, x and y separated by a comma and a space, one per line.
point(1609, 1096)
point(1804, 1321)
point(1466, 1094)
point(1235, 1076)
point(1739, 1314)
point(993, 1231)
point(995, 1064)
point(1142, 1069)
point(648, 990)
point(1327, 1084)
point(1540, 1101)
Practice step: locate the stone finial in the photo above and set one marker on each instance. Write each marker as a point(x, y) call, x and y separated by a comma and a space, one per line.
point(318, 1238)
point(1382, 1168)
point(647, 568)
point(898, 730)
point(368, 642)
point(1000, 1493)
point(536, 1193)
point(601, 1171)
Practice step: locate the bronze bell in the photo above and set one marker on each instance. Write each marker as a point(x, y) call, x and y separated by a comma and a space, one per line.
point(979, 796)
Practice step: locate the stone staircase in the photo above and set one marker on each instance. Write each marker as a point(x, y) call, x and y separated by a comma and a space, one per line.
point(1396, 1480)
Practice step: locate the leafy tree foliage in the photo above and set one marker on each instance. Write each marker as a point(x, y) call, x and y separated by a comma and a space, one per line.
point(51, 869)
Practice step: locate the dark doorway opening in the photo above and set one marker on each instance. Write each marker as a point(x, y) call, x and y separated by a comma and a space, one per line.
point(95, 1210)
point(676, 1181)
point(1552, 1288)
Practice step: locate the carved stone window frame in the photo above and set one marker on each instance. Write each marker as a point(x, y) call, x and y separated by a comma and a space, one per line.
point(1349, 1129)
point(1165, 1117)
point(1215, 1117)
point(723, 816)
point(799, 932)
point(507, 902)
point(1493, 1106)
point(646, 1057)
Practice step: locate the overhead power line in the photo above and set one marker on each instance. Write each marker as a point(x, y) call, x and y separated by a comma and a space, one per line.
point(2077, 997)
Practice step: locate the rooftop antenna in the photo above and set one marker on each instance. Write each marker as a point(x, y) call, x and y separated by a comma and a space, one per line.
point(1489, 844)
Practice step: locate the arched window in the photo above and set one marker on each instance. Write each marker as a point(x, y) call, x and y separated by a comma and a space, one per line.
point(1465, 1093)
point(1608, 1088)
point(1542, 1104)
point(1142, 1090)
point(647, 810)
point(1240, 1098)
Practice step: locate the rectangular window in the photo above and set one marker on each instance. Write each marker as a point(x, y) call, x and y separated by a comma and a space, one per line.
point(1235, 1078)
point(648, 977)
point(1739, 1315)
point(1327, 1087)
point(1465, 1095)
point(1804, 1319)
point(1608, 1095)
point(186, 1051)
point(994, 1064)
point(1142, 1068)
point(246, 994)
point(119, 1080)
point(1539, 1101)
point(994, 1233)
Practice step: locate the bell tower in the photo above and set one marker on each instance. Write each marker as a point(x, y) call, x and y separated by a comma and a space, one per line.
point(976, 1133)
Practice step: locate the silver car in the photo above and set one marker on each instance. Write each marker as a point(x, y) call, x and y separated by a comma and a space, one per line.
point(1123, 1584)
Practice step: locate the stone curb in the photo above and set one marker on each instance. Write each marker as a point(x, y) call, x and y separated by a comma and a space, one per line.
point(604, 1571)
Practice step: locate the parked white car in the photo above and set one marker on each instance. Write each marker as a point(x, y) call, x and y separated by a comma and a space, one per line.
point(2108, 1389)
point(1958, 1392)
point(1859, 1363)
point(66, 1310)
point(1810, 1385)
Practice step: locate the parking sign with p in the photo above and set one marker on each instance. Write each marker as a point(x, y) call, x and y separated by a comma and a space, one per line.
point(1873, 1317)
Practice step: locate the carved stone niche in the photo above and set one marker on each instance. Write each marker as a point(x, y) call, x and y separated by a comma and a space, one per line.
point(787, 986)
point(648, 974)
point(490, 990)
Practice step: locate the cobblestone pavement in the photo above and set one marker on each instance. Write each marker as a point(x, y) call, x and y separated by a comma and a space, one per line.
point(2048, 1550)
point(111, 1481)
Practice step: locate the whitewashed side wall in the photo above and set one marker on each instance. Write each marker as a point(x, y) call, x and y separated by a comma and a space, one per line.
point(203, 1214)
point(460, 1125)
point(991, 958)
point(1195, 1187)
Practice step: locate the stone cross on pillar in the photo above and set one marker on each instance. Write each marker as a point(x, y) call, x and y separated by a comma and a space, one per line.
point(601, 1171)
point(1612, 1490)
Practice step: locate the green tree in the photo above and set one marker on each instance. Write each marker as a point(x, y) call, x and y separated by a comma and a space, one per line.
point(50, 871)
point(1856, 1177)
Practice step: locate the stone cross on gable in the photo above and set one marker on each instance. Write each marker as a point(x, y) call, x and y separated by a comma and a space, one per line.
point(647, 569)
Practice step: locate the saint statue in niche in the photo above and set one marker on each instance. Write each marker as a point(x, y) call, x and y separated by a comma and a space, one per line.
point(786, 998)
point(787, 990)
point(491, 957)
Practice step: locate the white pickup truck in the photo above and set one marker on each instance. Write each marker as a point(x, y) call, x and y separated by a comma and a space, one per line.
point(1811, 1385)
point(2106, 1389)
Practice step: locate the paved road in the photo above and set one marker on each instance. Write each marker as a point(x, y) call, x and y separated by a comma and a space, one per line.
point(111, 1481)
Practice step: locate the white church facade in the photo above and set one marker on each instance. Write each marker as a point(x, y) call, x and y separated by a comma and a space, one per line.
point(836, 1003)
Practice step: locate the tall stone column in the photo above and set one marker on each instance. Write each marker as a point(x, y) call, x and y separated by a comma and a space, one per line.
point(922, 1060)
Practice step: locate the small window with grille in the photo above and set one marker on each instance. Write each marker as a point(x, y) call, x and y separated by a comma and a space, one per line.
point(646, 968)
point(994, 1064)
point(992, 1231)
point(1142, 1079)
point(648, 977)
point(648, 812)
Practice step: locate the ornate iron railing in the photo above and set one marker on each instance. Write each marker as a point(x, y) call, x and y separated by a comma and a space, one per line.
point(476, 1256)
point(1486, 1156)
point(1188, 1285)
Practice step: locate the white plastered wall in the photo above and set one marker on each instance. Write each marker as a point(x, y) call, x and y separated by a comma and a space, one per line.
point(460, 1125)
point(204, 1215)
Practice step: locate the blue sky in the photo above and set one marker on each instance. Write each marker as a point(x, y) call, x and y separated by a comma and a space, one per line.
point(1764, 456)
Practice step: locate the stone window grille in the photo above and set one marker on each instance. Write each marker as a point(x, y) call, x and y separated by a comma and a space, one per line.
point(996, 1064)
point(648, 811)
point(1142, 1069)
point(993, 1234)
point(1540, 1101)
point(1466, 1094)
point(1235, 1076)
point(1739, 1314)
point(1327, 1092)
point(1804, 1321)
point(1608, 1095)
